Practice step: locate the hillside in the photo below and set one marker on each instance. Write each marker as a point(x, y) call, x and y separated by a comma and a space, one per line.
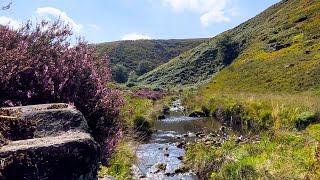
point(142, 56)
point(277, 50)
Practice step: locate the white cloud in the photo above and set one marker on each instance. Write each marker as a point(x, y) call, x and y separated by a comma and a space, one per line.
point(211, 11)
point(7, 21)
point(57, 13)
point(135, 36)
point(213, 17)
point(202, 6)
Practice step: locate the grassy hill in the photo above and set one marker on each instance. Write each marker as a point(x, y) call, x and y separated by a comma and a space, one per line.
point(277, 50)
point(268, 84)
point(145, 55)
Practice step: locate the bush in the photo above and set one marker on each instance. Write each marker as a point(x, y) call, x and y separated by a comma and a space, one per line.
point(149, 94)
point(38, 65)
point(142, 126)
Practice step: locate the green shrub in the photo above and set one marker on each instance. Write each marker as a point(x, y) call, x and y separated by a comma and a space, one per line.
point(142, 126)
point(143, 67)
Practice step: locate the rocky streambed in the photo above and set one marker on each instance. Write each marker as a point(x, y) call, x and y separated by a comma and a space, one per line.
point(162, 155)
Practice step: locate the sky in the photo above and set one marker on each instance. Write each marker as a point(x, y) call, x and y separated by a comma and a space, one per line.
point(112, 20)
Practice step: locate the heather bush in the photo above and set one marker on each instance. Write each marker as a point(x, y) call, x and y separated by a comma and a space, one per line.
point(38, 65)
point(149, 94)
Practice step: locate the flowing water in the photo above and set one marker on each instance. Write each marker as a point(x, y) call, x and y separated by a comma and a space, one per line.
point(161, 157)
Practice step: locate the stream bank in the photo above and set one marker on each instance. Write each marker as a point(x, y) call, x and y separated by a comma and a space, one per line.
point(161, 157)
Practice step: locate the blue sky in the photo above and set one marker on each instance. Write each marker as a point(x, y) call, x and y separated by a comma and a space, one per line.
point(111, 20)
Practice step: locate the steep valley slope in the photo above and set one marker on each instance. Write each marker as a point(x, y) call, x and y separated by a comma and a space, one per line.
point(278, 50)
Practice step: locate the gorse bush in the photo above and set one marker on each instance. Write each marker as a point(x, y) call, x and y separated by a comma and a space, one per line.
point(38, 65)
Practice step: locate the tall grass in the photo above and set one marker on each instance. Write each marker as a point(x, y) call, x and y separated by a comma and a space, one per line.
point(120, 162)
point(267, 110)
point(289, 128)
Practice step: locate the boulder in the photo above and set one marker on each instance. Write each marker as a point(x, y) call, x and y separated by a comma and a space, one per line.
point(49, 141)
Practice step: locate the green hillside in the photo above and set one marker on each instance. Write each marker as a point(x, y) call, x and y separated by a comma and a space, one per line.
point(269, 85)
point(278, 50)
point(142, 56)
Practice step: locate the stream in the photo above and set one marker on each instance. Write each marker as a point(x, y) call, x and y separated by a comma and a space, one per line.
point(161, 156)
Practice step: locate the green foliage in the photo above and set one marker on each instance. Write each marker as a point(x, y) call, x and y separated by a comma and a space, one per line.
point(143, 68)
point(144, 55)
point(120, 163)
point(120, 73)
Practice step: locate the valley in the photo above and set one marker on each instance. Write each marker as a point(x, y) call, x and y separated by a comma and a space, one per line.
point(243, 104)
point(260, 80)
